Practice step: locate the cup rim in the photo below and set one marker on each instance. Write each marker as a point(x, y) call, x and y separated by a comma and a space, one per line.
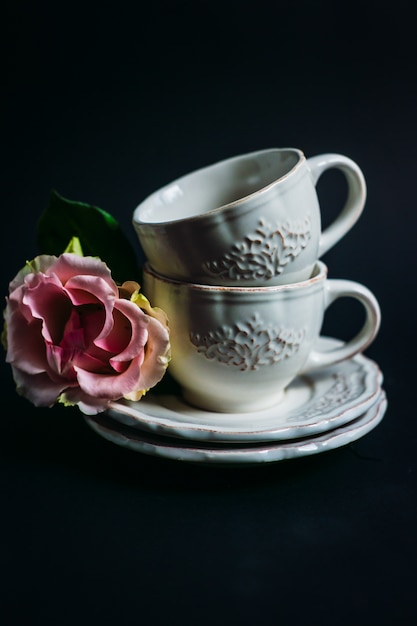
point(229, 205)
point(319, 273)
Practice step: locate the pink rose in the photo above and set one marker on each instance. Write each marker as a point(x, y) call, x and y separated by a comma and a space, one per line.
point(73, 336)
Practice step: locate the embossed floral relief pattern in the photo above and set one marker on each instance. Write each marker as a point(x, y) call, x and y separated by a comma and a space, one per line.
point(248, 345)
point(264, 253)
point(346, 387)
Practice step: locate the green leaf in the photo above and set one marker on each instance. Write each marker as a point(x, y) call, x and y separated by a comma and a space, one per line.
point(98, 232)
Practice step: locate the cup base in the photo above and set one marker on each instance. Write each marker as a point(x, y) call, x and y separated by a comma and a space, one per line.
point(224, 405)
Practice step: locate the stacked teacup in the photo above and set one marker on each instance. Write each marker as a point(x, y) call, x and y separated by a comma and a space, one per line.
point(233, 258)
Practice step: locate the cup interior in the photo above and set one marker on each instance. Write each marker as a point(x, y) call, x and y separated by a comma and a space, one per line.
point(216, 186)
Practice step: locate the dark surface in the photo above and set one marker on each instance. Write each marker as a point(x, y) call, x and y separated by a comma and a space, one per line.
point(107, 104)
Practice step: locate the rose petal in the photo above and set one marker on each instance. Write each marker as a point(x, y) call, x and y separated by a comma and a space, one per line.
point(25, 345)
point(86, 403)
point(85, 322)
point(136, 323)
point(157, 355)
point(40, 264)
point(95, 291)
point(39, 389)
point(109, 387)
point(69, 265)
point(48, 302)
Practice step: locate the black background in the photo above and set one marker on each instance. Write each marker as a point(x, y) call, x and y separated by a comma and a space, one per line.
point(105, 104)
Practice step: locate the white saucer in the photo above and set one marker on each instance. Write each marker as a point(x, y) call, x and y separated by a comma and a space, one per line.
point(312, 404)
point(223, 453)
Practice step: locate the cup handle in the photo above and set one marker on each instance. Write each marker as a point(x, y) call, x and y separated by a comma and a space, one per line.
point(355, 201)
point(335, 289)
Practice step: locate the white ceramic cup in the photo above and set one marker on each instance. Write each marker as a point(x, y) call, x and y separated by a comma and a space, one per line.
point(249, 220)
point(236, 349)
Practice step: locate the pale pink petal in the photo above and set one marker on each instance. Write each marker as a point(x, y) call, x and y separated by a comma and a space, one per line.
point(157, 355)
point(60, 363)
point(129, 315)
point(69, 265)
point(31, 282)
point(96, 291)
point(48, 302)
point(94, 360)
point(91, 288)
point(39, 389)
point(87, 404)
point(93, 406)
point(40, 264)
point(109, 387)
point(25, 345)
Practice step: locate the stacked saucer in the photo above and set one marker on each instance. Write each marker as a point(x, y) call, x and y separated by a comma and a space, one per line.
point(321, 411)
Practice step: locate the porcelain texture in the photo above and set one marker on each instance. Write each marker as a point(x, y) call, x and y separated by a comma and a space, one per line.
point(253, 219)
point(312, 404)
point(237, 349)
point(228, 454)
